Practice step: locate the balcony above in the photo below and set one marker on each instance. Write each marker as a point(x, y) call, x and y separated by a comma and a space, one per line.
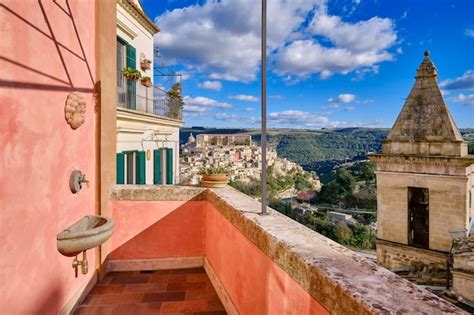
point(151, 100)
point(263, 264)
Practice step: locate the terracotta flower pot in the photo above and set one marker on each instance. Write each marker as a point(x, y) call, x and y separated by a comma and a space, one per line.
point(146, 83)
point(145, 65)
point(131, 77)
point(215, 180)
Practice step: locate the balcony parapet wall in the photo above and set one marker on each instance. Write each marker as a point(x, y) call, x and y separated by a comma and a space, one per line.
point(336, 277)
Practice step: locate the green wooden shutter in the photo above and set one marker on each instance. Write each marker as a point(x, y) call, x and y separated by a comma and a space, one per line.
point(157, 167)
point(140, 164)
point(131, 85)
point(169, 166)
point(120, 167)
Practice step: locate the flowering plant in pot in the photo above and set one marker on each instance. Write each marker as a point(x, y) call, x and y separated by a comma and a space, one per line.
point(145, 64)
point(214, 177)
point(175, 101)
point(131, 74)
point(146, 81)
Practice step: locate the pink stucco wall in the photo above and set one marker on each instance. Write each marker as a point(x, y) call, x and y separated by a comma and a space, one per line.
point(162, 229)
point(254, 282)
point(42, 62)
point(157, 229)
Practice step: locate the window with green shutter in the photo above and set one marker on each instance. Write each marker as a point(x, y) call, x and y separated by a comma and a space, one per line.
point(131, 84)
point(120, 167)
point(157, 167)
point(169, 166)
point(140, 164)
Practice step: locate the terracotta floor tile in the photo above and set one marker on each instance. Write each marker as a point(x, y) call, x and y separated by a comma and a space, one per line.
point(164, 296)
point(122, 273)
point(178, 278)
point(156, 272)
point(209, 313)
point(146, 287)
point(95, 310)
point(115, 299)
point(107, 289)
point(157, 278)
point(141, 309)
point(215, 305)
point(180, 291)
point(188, 270)
point(186, 286)
point(196, 295)
point(197, 277)
point(131, 280)
point(184, 306)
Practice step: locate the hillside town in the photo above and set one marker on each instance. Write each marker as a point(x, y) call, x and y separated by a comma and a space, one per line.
point(237, 153)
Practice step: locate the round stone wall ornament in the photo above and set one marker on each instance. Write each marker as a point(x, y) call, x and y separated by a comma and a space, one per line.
point(75, 110)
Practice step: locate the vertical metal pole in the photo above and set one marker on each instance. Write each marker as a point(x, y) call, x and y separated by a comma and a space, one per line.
point(263, 140)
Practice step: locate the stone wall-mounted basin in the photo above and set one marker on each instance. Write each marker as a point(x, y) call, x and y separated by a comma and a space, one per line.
point(87, 233)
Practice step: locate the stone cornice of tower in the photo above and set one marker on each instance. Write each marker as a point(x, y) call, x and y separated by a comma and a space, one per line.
point(424, 125)
point(424, 164)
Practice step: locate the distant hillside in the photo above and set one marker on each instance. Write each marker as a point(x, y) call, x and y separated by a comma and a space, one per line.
point(319, 150)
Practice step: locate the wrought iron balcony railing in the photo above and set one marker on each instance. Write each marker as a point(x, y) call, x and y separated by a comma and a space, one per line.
point(151, 100)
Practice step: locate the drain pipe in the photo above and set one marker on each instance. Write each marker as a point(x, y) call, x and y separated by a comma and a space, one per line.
point(263, 136)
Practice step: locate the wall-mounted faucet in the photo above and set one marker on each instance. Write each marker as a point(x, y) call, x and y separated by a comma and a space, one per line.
point(76, 180)
point(83, 263)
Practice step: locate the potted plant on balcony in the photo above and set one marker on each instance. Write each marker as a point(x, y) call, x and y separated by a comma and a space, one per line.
point(146, 81)
point(175, 101)
point(145, 64)
point(214, 177)
point(131, 74)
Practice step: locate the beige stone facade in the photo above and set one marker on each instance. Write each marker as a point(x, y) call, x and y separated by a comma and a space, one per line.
point(423, 156)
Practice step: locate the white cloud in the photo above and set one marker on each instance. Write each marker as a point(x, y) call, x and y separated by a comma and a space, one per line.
point(201, 104)
point(464, 82)
point(244, 98)
point(464, 99)
point(222, 39)
point(361, 45)
point(469, 32)
point(342, 98)
point(210, 85)
point(249, 109)
point(234, 117)
point(296, 119)
point(399, 50)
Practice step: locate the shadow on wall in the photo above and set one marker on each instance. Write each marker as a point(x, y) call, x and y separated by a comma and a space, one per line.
point(49, 34)
point(50, 302)
point(158, 229)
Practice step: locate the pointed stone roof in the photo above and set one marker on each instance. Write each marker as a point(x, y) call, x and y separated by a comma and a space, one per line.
point(424, 119)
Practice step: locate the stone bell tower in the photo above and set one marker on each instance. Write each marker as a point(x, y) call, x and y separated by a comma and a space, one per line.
point(424, 179)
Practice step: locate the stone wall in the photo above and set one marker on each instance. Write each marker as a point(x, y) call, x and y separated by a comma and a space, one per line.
point(447, 206)
point(394, 256)
point(463, 284)
point(463, 267)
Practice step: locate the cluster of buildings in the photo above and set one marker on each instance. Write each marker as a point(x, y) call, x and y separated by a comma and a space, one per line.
point(237, 153)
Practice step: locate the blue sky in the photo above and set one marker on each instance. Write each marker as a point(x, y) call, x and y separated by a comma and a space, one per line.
point(335, 63)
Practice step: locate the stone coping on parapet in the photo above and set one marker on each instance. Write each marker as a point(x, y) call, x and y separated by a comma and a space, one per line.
point(156, 192)
point(338, 278)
